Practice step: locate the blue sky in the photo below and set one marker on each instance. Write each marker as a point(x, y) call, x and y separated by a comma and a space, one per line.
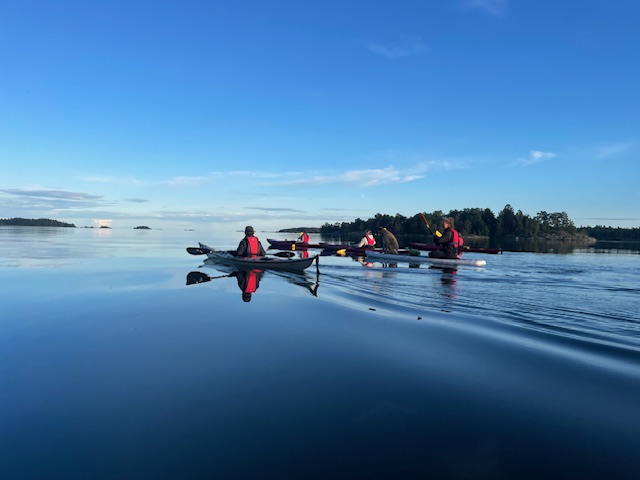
point(285, 113)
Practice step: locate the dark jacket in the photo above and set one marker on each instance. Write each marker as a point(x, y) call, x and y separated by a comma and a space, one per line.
point(448, 249)
point(245, 251)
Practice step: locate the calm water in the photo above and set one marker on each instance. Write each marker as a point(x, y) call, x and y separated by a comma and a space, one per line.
point(113, 367)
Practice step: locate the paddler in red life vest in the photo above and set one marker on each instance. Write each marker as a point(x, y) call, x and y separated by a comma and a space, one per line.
point(250, 246)
point(449, 241)
point(304, 237)
point(368, 241)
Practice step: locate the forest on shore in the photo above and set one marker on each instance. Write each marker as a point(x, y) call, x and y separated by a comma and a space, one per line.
point(482, 223)
point(38, 222)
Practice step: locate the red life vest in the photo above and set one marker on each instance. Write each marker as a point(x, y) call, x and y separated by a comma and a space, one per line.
point(371, 240)
point(253, 245)
point(252, 282)
point(304, 238)
point(457, 239)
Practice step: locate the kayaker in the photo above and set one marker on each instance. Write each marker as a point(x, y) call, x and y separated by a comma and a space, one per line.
point(367, 241)
point(449, 240)
point(250, 246)
point(304, 237)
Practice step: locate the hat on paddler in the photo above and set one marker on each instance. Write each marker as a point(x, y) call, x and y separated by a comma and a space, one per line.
point(249, 230)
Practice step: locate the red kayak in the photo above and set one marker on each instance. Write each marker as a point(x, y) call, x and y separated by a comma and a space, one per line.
point(428, 247)
point(289, 244)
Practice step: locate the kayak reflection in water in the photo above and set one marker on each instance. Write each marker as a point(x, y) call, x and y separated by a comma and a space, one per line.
point(249, 280)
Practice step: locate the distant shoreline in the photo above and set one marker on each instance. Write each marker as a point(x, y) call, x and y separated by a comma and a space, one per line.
point(39, 222)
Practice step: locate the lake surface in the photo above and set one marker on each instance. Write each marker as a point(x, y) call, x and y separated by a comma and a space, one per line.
point(111, 366)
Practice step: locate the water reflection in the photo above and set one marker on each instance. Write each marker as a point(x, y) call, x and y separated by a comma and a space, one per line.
point(448, 279)
point(249, 280)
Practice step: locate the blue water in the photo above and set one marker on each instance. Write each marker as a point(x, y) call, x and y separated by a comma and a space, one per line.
point(111, 366)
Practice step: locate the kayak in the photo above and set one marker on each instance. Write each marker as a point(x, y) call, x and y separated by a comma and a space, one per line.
point(249, 263)
point(351, 250)
point(452, 262)
point(432, 246)
point(327, 247)
point(291, 244)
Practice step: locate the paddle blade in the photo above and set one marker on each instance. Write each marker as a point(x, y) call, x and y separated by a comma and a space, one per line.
point(284, 254)
point(196, 251)
point(342, 251)
point(197, 277)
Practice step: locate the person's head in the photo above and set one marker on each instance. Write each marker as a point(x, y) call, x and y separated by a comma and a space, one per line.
point(249, 231)
point(246, 296)
point(368, 232)
point(448, 222)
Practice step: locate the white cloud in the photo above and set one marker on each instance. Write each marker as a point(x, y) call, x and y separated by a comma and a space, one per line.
point(495, 8)
point(535, 156)
point(181, 181)
point(613, 149)
point(365, 178)
point(407, 47)
point(112, 179)
point(102, 222)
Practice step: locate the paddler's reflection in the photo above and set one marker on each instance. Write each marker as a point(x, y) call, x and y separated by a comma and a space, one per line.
point(248, 282)
point(363, 261)
point(448, 279)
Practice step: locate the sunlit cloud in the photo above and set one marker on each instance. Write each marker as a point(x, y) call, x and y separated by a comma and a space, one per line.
point(102, 222)
point(614, 149)
point(275, 209)
point(408, 46)
point(535, 156)
point(186, 181)
point(112, 179)
point(376, 176)
point(46, 202)
point(494, 8)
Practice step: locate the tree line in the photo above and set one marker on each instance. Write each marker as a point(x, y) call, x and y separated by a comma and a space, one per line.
point(481, 222)
point(39, 222)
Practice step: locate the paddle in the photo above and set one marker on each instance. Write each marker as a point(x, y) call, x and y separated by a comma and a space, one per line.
point(284, 254)
point(424, 219)
point(204, 251)
point(197, 251)
point(199, 277)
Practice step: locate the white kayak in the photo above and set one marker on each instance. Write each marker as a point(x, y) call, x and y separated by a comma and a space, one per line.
point(441, 262)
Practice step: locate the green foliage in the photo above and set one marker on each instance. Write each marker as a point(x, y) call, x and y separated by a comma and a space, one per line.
point(469, 221)
point(611, 233)
point(40, 222)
